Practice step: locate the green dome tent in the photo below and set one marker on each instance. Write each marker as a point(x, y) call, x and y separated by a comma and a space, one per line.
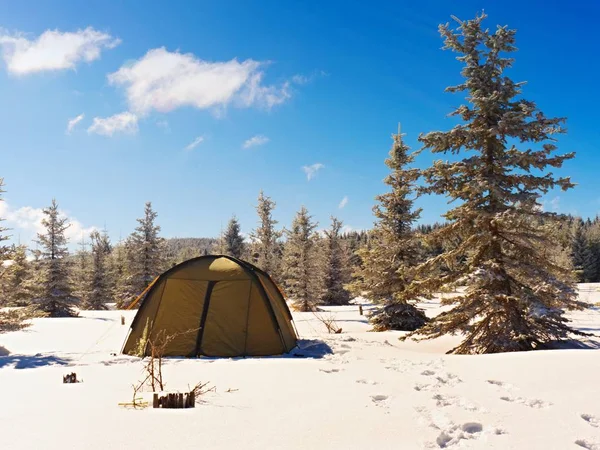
point(214, 305)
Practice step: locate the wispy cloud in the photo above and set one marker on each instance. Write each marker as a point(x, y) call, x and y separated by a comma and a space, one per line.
point(255, 141)
point(304, 79)
point(164, 81)
point(124, 122)
point(195, 143)
point(53, 50)
point(311, 171)
point(344, 202)
point(73, 123)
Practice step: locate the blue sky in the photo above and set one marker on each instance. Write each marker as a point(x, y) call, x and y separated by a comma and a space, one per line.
point(314, 83)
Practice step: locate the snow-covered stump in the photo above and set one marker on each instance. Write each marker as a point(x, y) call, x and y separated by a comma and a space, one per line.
point(174, 400)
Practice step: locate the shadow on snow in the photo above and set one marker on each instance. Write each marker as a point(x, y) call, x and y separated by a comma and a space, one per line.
point(31, 361)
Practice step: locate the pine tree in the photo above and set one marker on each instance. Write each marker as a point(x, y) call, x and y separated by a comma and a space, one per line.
point(233, 241)
point(514, 298)
point(335, 267)
point(299, 274)
point(18, 286)
point(265, 239)
point(99, 289)
point(389, 260)
point(144, 257)
point(56, 298)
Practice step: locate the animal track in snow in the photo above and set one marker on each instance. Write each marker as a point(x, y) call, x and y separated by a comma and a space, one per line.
point(587, 444)
point(532, 403)
point(592, 420)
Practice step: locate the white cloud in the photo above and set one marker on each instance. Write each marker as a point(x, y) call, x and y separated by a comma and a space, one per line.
point(312, 170)
point(255, 141)
point(164, 81)
point(195, 143)
point(124, 122)
point(344, 202)
point(73, 122)
point(27, 221)
point(53, 50)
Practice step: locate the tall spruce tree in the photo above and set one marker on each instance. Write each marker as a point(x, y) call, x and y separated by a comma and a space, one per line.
point(233, 240)
point(265, 238)
point(299, 274)
point(393, 252)
point(99, 288)
point(144, 257)
point(335, 268)
point(56, 298)
point(514, 298)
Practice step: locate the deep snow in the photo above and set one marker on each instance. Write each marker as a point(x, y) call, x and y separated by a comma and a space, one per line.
point(354, 390)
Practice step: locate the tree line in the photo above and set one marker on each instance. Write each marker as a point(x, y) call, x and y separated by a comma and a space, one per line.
point(512, 265)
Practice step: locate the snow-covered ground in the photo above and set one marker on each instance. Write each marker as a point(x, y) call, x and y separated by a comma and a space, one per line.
point(354, 390)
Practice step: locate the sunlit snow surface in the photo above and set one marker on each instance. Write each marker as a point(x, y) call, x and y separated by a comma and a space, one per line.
point(354, 390)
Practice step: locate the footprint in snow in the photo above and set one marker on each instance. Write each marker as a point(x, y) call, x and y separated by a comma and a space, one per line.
point(380, 400)
point(445, 400)
point(329, 370)
point(456, 433)
point(584, 443)
point(532, 403)
point(363, 381)
point(592, 420)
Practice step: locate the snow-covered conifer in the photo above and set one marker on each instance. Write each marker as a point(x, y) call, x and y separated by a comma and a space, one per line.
point(515, 297)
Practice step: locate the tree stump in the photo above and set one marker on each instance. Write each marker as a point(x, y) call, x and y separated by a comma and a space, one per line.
point(174, 400)
point(70, 378)
point(360, 310)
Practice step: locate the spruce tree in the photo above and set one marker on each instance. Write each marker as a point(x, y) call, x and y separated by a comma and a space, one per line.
point(99, 289)
point(144, 257)
point(56, 298)
point(335, 267)
point(265, 239)
point(393, 251)
point(299, 274)
point(514, 298)
point(18, 286)
point(233, 240)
